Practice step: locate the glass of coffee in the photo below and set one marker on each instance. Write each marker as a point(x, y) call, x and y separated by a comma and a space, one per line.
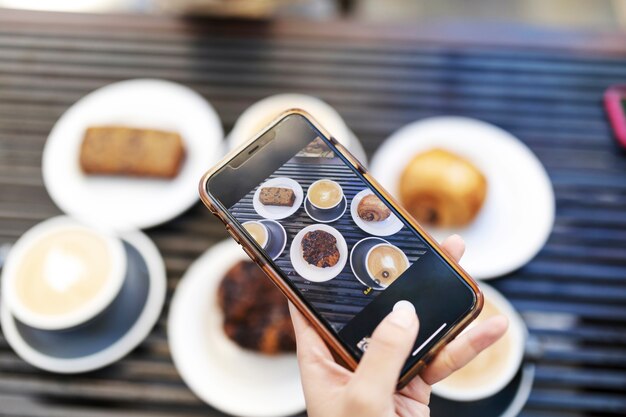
point(325, 194)
point(259, 232)
point(385, 263)
point(496, 366)
point(60, 274)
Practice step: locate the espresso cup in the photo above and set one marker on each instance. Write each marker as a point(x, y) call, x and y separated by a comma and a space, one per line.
point(61, 274)
point(385, 263)
point(259, 233)
point(495, 367)
point(325, 194)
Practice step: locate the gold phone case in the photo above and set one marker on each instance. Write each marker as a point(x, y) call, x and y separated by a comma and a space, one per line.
point(259, 258)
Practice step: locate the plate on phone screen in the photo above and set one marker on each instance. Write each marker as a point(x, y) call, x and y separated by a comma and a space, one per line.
point(232, 379)
point(518, 213)
point(278, 212)
point(391, 225)
point(311, 272)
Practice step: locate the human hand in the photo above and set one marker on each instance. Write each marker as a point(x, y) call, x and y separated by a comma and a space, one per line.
point(331, 390)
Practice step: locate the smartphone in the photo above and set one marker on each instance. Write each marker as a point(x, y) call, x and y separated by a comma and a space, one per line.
point(338, 246)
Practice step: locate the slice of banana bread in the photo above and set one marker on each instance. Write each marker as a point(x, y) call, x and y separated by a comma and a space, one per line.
point(120, 150)
point(277, 196)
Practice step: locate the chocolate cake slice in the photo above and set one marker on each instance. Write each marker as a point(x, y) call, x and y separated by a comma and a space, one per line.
point(319, 248)
point(256, 315)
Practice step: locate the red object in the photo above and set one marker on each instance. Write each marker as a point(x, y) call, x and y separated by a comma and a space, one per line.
point(615, 105)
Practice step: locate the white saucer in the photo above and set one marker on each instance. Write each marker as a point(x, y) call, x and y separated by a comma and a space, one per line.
point(278, 212)
point(231, 379)
point(518, 214)
point(126, 203)
point(114, 350)
point(311, 272)
point(259, 114)
point(391, 225)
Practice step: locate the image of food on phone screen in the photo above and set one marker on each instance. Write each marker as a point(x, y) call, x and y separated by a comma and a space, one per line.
point(342, 247)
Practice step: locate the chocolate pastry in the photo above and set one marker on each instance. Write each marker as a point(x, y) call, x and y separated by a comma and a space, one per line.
point(372, 209)
point(443, 189)
point(319, 248)
point(256, 315)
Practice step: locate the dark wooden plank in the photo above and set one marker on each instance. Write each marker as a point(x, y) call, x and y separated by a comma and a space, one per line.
point(456, 34)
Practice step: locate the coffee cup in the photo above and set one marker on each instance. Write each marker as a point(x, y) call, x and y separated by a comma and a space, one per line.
point(259, 232)
point(385, 263)
point(495, 367)
point(325, 194)
point(61, 274)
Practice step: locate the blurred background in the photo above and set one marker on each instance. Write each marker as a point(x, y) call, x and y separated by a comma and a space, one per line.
point(585, 14)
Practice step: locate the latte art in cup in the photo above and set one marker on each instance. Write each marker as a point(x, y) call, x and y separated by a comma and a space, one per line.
point(62, 272)
point(385, 263)
point(325, 194)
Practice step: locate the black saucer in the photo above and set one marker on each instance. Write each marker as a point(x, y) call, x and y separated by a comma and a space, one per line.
point(106, 328)
point(506, 403)
point(278, 238)
point(357, 261)
point(325, 215)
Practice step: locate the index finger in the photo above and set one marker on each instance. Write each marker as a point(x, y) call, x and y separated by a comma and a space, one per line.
point(464, 348)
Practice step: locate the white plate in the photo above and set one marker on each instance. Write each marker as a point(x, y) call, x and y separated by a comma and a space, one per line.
point(312, 272)
point(518, 334)
point(120, 348)
point(391, 225)
point(258, 115)
point(518, 214)
point(234, 380)
point(278, 212)
point(126, 203)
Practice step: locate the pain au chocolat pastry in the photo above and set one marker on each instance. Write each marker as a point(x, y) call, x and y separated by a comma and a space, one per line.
point(256, 315)
point(277, 196)
point(120, 150)
point(372, 209)
point(442, 189)
point(319, 248)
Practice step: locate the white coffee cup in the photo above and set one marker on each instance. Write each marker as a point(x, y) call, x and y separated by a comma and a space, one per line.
point(61, 274)
point(261, 113)
point(259, 232)
point(489, 373)
point(401, 258)
point(325, 199)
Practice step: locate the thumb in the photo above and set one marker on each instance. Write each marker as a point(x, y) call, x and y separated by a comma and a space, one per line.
point(387, 350)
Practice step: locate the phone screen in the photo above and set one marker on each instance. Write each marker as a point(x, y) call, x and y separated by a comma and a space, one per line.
point(336, 241)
